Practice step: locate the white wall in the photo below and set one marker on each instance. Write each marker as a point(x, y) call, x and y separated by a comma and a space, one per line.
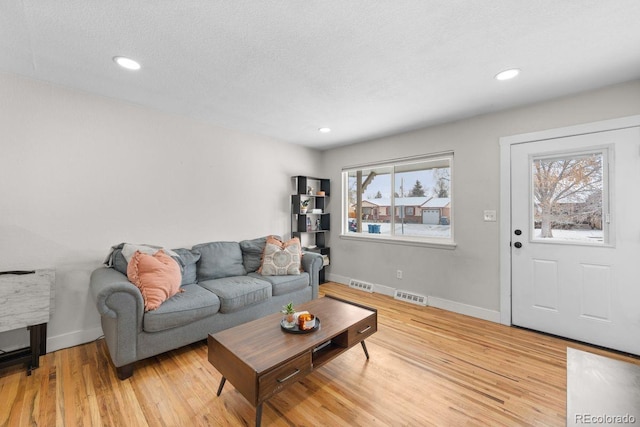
point(80, 173)
point(465, 279)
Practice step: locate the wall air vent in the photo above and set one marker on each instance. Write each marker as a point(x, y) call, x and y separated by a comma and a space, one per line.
point(410, 297)
point(359, 284)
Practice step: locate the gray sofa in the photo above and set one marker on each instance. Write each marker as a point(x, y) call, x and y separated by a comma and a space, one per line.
point(221, 288)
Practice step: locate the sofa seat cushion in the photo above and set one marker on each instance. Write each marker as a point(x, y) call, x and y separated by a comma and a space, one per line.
point(282, 285)
point(192, 304)
point(219, 259)
point(238, 292)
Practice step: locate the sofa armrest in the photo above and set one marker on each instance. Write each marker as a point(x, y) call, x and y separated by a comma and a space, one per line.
point(312, 264)
point(105, 284)
point(121, 309)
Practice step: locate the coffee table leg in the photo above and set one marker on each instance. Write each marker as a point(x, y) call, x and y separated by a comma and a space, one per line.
point(222, 381)
point(258, 414)
point(364, 347)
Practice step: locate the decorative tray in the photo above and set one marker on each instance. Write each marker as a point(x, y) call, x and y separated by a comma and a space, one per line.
point(297, 330)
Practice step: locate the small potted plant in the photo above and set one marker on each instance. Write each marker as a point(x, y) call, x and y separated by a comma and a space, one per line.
point(304, 205)
point(289, 312)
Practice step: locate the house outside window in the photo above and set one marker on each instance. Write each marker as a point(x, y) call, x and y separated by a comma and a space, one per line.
point(407, 199)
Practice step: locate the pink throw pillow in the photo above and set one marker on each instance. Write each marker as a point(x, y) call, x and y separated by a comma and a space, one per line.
point(157, 276)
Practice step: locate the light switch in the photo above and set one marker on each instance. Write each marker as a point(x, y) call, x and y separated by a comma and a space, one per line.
point(490, 216)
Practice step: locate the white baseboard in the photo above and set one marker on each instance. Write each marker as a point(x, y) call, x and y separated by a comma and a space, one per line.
point(444, 304)
point(466, 309)
point(338, 279)
point(72, 339)
point(384, 290)
point(18, 339)
point(380, 289)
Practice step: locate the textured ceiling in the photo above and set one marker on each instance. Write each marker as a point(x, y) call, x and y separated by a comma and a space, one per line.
point(285, 68)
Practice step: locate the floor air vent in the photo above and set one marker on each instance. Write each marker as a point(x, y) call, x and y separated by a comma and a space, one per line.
point(410, 297)
point(363, 286)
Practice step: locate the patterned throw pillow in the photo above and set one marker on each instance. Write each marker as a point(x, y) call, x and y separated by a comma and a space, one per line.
point(157, 276)
point(281, 258)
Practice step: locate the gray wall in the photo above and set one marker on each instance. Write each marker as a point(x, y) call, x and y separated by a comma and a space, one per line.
point(79, 173)
point(465, 279)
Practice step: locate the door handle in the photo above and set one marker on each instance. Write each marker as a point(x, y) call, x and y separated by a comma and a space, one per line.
point(517, 245)
point(517, 232)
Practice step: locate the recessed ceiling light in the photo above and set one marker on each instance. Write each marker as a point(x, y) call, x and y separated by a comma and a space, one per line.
point(324, 130)
point(507, 74)
point(127, 63)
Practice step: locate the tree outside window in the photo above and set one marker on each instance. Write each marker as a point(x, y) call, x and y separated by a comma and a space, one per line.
point(568, 195)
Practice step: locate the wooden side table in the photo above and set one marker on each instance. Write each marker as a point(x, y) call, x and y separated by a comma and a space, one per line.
point(26, 300)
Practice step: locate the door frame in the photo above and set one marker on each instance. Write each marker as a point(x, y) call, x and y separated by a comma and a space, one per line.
point(505, 191)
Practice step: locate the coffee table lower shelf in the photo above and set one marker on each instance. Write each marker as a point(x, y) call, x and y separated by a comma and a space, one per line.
point(260, 360)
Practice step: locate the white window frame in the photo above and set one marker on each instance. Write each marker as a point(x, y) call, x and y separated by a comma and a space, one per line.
point(430, 241)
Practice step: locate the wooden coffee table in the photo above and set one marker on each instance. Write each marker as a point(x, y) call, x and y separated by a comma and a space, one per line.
point(260, 359)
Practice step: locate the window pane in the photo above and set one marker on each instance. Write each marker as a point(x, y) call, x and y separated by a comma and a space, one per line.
point(568, 198)
point(410, 199)
point(422, 199)
point(374, 187)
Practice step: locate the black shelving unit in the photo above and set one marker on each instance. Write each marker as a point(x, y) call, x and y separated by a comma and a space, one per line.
point(312, 227)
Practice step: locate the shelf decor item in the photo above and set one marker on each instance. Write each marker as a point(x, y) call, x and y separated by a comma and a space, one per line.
point(306, 321)
point(297, 330)
point(304, 205)
point(289, 320)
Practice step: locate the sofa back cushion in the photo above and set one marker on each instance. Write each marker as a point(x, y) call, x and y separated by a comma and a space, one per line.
point(252, 253)
point(219, 259)
point(185, 258)
point(119, 262)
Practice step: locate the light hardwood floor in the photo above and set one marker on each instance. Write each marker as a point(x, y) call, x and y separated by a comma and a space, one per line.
point(427, 367)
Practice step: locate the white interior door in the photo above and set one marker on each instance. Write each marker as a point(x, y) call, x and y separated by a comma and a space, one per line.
point(575, 233)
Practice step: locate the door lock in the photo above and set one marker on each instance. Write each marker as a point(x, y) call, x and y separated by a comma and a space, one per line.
point(518, 245)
